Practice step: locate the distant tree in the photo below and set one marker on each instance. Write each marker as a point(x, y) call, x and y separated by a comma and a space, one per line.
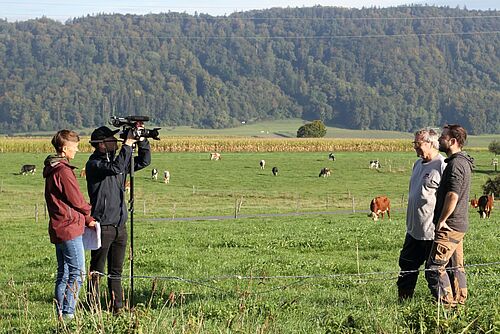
point(315, 129)
point(494, 147)
point(492, 186)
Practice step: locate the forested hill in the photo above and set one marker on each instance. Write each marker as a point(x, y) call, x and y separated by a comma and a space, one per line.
point(391, 69)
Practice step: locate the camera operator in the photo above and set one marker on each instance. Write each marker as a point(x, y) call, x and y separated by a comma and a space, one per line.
point(106, 176)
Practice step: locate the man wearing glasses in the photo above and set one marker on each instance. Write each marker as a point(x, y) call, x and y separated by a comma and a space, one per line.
point(106, 176)
point(424, 182)
point(451, 220)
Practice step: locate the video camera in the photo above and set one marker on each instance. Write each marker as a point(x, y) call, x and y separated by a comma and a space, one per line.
point(136, 125)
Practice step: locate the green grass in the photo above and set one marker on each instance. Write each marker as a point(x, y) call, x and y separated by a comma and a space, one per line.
point(212, 254)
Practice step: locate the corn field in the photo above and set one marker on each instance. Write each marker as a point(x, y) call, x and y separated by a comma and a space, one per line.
point(227, 144)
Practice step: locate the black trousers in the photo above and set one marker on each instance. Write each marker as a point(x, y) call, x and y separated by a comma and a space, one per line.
point(114, 244)
point(413, 255)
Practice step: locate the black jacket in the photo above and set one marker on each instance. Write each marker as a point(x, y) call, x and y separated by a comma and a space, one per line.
point(106, 175)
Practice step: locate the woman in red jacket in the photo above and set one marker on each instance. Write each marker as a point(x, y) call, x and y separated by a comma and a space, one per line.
point(69, 213)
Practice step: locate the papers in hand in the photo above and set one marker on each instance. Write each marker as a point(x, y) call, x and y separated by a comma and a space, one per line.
point(92, 237)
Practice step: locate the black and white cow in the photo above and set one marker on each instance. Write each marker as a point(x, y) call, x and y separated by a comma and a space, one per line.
point(325, 172)
point(374, 164)
point(275, 171)
point(154, 174)
point(25, 169)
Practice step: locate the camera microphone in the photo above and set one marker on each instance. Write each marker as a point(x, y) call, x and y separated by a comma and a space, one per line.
point(138, 118)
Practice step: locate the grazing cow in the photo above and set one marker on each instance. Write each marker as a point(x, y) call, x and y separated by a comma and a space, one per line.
point(325, 172)
point(275, 171)
point(374, 164)
point(262, 164)
point(154, 174)
point(83, 173)
point(474, 202)
point(331, 157)
point(166, 177)
point(25, 169)
point(378, 206)
point(485, 205)
point(127, 186)
point(215, 156)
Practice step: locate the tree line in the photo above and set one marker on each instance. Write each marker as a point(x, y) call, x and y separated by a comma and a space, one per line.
point(396, 68)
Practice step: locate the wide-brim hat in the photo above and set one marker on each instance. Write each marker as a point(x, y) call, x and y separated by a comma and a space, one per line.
point(99, 134)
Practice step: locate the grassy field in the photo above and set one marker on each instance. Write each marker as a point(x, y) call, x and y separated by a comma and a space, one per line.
point(283, 274)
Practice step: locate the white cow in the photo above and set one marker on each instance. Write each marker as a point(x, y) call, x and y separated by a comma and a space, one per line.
point(262, 164)
point(166, 176)
point(215, 156)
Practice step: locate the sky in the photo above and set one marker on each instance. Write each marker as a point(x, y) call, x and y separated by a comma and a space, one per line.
point(61, 10)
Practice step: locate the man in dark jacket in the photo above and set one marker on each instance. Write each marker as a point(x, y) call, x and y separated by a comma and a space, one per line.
point(451, 220)
point(106, 176)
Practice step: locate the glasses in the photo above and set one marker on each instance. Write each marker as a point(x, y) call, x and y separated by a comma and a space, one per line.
point(418, 143)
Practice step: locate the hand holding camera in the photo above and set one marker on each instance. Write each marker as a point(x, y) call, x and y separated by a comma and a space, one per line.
point(133, 127)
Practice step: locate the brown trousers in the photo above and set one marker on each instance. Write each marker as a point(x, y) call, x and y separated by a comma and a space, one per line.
point(445, 272)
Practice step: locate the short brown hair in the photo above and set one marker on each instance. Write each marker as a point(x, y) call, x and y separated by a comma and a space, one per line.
point(458, 132)
point(62, 137)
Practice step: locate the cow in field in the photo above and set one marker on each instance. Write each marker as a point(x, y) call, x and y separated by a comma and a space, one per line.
point(374, 164)
point(215, 156)
point(485, 205)
point(83, 173)
point(262, 164)
point(378, 206)
point(25, 169)
point(166, 177)
point(331, 157)
point(325, 172)
point(275, 171)
point(154, 174)
point(474, 202)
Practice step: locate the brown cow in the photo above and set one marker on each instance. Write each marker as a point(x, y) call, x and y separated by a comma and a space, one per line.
point(473, 202)
point(378, 206)
point(83, 173)
point(485, 205)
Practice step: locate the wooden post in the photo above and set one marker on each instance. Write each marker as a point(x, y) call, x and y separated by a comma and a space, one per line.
point(173, 212)
point(194, 190)
point(144, 207)
point(357, 260)
point(353, 205)
point(36, 213)
point(235, 208)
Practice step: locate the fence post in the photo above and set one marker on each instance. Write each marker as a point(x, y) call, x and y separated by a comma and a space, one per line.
point(235, 208)
point(194, 190)
point(36, 213)
point(353, 205)
point(144, 207)
point(173, 212)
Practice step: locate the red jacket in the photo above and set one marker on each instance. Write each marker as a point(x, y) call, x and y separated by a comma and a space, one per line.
point(68, 210)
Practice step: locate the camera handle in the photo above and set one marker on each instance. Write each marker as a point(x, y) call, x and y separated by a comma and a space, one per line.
point(131, 210)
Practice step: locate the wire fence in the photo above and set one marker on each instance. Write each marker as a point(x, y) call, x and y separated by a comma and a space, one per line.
point(210, 282)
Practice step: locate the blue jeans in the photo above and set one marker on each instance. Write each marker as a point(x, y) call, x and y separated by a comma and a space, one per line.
point(70, 274)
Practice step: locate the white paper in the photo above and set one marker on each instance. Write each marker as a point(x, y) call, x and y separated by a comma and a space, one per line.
point(92, 237)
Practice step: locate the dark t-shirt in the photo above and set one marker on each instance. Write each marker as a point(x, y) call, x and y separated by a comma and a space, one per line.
point(456, 178)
